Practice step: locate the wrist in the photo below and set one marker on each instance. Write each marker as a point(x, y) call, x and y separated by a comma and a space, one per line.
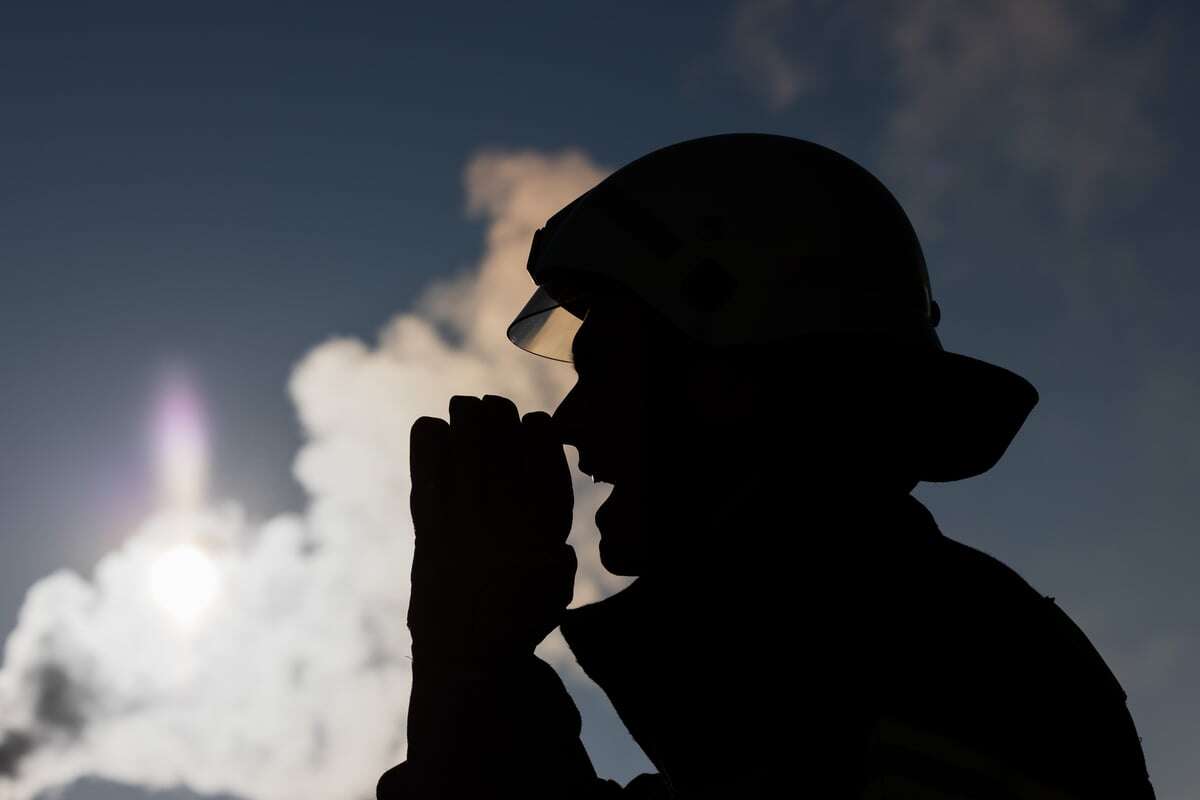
point(463, 671)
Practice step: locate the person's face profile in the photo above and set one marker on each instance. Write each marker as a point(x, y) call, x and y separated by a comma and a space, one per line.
point(608, 416)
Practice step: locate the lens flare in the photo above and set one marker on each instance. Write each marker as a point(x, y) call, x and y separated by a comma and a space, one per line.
point(181, 442)
point(184, 582)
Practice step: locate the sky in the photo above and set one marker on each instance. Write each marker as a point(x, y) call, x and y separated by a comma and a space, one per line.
point(254, 244)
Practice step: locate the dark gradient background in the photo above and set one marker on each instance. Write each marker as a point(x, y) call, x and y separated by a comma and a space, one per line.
point(227, 186)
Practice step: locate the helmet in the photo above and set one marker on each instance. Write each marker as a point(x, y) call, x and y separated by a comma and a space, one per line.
point(755, 239)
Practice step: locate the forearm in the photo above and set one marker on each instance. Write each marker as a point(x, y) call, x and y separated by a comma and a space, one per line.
point(509, 730)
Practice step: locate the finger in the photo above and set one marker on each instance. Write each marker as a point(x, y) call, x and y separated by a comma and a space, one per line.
point(429, 454)
point(501, 410)
point(546, 468)
point(502, 443)
point(502, 424)
point(467, 454)
point(466, 429)
point(428, 449)
point(464, 412)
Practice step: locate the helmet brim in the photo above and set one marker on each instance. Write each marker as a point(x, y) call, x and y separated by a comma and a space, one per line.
point(972, 411)
point(545, 327)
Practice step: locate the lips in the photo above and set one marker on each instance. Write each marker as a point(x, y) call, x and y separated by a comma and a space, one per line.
point(597, 475)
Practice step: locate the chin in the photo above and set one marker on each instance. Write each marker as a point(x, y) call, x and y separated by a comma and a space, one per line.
point(619, 562)
point(623, 536)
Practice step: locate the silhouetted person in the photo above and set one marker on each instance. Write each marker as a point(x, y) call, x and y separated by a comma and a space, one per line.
point(759, 378)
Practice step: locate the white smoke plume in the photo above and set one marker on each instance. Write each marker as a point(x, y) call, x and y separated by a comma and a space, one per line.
point(290, 678)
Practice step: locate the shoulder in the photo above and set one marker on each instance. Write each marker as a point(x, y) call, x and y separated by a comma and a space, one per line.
point(1013, 614)
point(1039, 688)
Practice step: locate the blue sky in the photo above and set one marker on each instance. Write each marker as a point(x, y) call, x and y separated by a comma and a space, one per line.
point(224, 190)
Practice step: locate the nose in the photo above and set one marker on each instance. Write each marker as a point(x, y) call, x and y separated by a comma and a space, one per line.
point(566, 418)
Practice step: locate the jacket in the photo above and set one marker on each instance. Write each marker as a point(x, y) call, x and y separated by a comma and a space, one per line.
point(872, 657)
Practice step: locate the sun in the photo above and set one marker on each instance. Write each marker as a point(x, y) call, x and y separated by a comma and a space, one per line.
point(184, 582)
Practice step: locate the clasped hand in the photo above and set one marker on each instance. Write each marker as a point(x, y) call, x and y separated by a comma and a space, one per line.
point(491, 505)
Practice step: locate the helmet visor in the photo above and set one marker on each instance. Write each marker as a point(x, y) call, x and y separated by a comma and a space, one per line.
point(544, 327)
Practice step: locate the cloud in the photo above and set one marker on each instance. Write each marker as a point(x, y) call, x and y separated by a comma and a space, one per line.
point(758, 53)
point(295, 682)
point(1058, 91)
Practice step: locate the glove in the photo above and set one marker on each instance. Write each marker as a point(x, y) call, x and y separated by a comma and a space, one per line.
point(491, 505)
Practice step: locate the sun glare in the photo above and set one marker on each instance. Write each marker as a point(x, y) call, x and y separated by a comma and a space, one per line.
point(184, 583)
point(181, 442)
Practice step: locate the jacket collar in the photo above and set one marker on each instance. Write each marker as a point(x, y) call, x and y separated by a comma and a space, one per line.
point(666, 649)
